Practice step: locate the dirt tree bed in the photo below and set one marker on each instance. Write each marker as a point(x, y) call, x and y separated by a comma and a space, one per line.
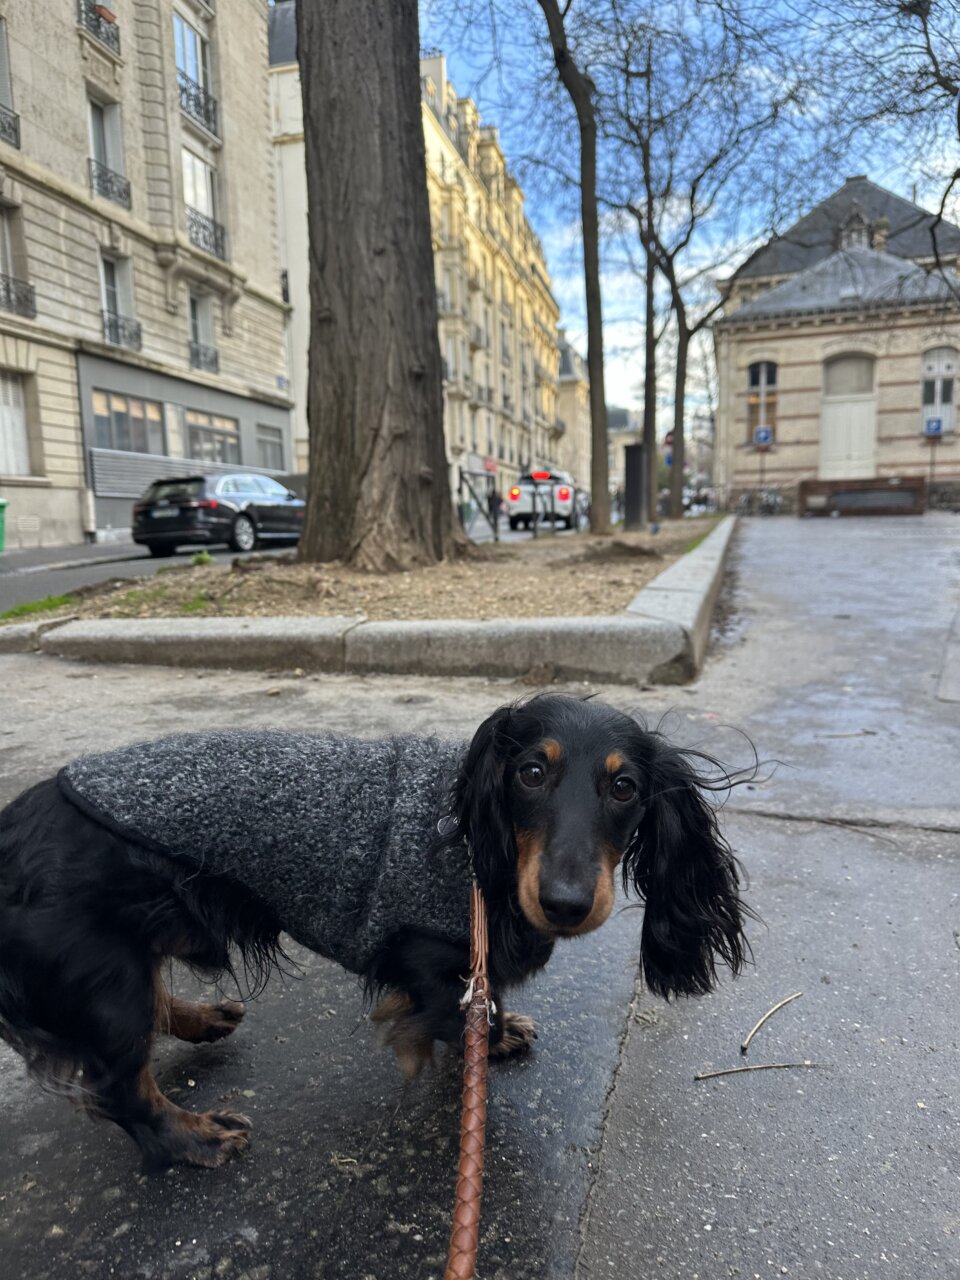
point(543, 577)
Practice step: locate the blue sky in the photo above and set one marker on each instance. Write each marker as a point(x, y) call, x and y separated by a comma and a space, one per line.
point(470, 68)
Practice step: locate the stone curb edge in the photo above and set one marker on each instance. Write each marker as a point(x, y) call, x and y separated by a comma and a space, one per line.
point(660, 638)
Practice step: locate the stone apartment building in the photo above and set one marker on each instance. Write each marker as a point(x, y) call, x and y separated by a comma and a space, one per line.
point(838, 351)
point(141, 316)
point(573, 408)
point(497, 314)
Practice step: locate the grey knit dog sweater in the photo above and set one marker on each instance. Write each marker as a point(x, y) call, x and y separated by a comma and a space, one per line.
point(336, 834)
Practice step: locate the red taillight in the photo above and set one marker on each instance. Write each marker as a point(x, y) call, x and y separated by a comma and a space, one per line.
point(541, 475)
point(514, 494)
point(204, 504)
point(563, 494)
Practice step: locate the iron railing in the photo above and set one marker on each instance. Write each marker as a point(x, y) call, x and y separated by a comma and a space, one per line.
point(203, 357)
point(112, 186)
point(17, 296)
point(206, 234)
point(9, 126)
point(121, 331)
point(92, 18)
point(198, 104)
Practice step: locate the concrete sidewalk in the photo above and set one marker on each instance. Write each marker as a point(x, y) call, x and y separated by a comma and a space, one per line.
point(660, 638)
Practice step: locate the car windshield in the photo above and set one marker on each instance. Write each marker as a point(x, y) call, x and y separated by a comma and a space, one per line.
point(174, 490)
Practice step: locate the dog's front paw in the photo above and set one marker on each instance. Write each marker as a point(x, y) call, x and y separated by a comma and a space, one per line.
point(403, 1031)
point(517, 1035)
point(223, 1019)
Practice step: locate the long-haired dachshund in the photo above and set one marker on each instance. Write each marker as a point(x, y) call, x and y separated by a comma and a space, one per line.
point(204, 847)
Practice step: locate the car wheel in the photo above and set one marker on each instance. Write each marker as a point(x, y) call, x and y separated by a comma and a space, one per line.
point(243, 535)
point(513, 524)
point(161, 549)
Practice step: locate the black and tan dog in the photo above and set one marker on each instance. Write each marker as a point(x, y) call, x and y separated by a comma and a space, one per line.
point(362, 851)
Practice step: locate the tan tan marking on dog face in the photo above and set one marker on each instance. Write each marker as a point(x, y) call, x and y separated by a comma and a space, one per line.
point(529, 852)
point(552, 750)
point(614, 762)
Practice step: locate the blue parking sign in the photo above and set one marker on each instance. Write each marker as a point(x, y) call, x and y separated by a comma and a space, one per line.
point(762, 435)
point(933, 427)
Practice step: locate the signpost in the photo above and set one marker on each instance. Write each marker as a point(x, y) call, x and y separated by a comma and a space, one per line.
point(933, 430)
point(762, 440)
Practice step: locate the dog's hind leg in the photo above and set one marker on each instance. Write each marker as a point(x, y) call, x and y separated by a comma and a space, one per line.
point(197, 1023)
point(164, 1132)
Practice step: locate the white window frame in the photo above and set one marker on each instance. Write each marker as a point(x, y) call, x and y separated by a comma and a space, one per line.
point(200, 319)
point(193, 62)
point(14, 429)
point(123, 285)
point(112, 134)
point(939, 365)
point(6, 78)
point(199, 177)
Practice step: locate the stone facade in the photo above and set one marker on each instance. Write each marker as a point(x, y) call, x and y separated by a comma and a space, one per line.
point(497, 314)
point(840, 346)
point(139, 261)
point(573, 407)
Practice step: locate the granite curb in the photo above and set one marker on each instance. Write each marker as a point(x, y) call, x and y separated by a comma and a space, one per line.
point(661, 637)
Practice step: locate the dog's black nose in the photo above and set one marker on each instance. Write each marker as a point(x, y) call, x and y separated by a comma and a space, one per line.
point(565, 907)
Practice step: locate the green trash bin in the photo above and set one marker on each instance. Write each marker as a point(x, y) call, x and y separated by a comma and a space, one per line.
point(3, 508)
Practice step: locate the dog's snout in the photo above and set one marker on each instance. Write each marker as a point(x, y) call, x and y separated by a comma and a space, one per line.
point(565, 906)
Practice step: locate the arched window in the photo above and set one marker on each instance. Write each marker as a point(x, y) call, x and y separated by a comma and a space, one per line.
point(939, 386)
point(761, 398)
point(848, 376)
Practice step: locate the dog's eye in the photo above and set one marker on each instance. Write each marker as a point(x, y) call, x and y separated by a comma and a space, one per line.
point(623, 789)
point(532, 775)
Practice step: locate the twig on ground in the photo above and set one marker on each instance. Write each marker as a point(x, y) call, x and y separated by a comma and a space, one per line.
point(765, 1066)
point(745, 1043)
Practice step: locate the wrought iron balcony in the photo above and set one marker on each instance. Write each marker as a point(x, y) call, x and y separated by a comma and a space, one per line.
point(100, 22)
point(17, 296)
point(202, 357)
point(105, 182)
point(121, 331)
point(206, 234)
point(9, 126)
point(198, 104)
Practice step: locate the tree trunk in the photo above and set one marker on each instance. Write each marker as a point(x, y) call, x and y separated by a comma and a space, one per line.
point(650, 389)
point(379, 490)
point(581, 94)
point(679, 398)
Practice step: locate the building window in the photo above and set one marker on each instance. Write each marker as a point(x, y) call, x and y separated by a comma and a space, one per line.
point(122, 422)
point(15, 295)
point(120, 329)
point(200, 198)
point(269, 447)
point(106, 153)
point(9, 120)
point(14, 442)
point(211, 438)
point(203, 351)
point(939, 387)
point(848, 376)
point(193, 75)
point(761, 398)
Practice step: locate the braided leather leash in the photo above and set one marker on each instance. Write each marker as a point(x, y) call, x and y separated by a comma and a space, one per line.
point(465, 1234)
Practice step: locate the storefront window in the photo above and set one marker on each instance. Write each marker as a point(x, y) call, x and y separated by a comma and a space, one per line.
point(132, 425)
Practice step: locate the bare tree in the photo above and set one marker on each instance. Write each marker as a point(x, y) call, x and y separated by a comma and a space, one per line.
point(379, 491)
point(581, 90)
point(690, 111)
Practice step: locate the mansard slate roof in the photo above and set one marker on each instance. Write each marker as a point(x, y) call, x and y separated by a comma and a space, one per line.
point(817, 235)
point(852, 279)
point(282, 33)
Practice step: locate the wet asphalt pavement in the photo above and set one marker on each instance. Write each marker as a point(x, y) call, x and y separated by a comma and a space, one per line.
point(605, 1157)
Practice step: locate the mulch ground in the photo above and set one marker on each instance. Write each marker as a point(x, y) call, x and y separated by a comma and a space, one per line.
point(543, 577)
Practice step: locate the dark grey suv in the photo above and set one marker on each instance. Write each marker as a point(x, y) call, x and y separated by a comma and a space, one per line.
point(240, 509)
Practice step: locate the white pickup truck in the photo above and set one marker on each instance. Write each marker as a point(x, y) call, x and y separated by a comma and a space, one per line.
point(543, 495)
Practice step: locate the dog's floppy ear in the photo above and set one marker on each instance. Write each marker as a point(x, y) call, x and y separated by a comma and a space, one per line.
point(479, 797)
point(681, 866)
